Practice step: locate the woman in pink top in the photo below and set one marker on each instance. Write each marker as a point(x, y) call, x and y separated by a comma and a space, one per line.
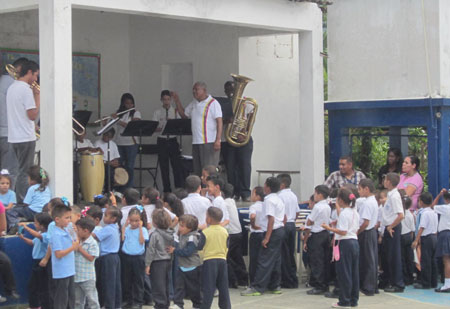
point(411, 180)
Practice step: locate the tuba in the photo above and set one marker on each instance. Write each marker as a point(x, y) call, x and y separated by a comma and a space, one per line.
point(239, 131)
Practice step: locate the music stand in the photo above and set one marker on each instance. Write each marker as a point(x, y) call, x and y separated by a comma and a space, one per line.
point(82, 117)
point(140, 128)
point(178, 127)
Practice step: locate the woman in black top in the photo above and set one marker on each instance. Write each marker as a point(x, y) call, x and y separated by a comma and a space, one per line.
point(393, 164)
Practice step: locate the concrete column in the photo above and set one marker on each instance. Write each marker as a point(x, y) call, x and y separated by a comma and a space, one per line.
point(55, 57)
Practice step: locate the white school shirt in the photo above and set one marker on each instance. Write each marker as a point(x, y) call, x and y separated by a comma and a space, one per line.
point(359, 202)
point(393, 207)
point(126, 140)
point(429, 221)
point(5, 82)
point(273, 206)
point(408, 223)
point(320, 213)
point(203, 119)
point(19, 100)
point(444, 221)
point(257, 209)
point(290, 203)
point(368, 211)
point(348, 220)
point(219, 202)
point(196, 205)
point(78, 145)
point(114, 151)
point(161, 116)
point(234, 227)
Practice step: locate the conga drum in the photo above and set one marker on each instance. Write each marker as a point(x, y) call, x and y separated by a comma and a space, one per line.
point(120, 176)
point(92, 175)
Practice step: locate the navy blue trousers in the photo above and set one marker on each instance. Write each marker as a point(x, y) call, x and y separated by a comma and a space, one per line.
point(215, 275)
point(347, 271)
point(111, 285)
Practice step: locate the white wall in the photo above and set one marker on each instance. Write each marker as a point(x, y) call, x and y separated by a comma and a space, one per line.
point(377, 49)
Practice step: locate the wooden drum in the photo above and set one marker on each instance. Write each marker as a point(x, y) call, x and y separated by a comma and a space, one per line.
point(92, 175)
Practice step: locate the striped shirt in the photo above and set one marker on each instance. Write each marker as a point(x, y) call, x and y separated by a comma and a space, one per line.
point(84, 269)
point(203, 116)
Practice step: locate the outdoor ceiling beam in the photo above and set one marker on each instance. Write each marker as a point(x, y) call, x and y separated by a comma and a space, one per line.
point(8, 6)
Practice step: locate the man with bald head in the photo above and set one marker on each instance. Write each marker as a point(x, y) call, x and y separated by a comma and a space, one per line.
point(206, 115)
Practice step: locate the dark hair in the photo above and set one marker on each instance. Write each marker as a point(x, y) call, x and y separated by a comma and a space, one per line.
point(228, 190)
point(192, 183)
point(414, 160)
point(161, 219)
point(398, 154)
point(131, 196)
point(20, 62)
point(352, 188)
point(75, 209)
point(211, 170)
point(346, 158)
point(190, 221)
point(259, 191)
point(114, 212)
point(322, 190)
point(347, 197)
point(393, 178)
point(426, 198)
point(28, 66)
point(7, 177)
point(406, 200)
point(367, 183)
point(40, 176)
point(285, 179)
point(311, 198)
point(334, 193)
point(152, 194)
point(101, 200)
point(216, 180)
point(95, 212)
point(126, 96)
point(86, 224)
point(165, 93)
point(215, 214)
point(176, 206)
point(446, 196)
point(53, 203)
point(228, 83)
point(59, 210)
point(142, 214)
point(44, 219)
point(273, 184)
point(110, 133)
point(181, 193)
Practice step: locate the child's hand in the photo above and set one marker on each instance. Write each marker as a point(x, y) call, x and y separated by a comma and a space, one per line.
point(380, 240)
point(305, 247)
point(76, 245)
point(43, 262)
point(265, 242)
point(443, 191)
point(170, 249)
point(141, 223)
point(147, 270)
point(112, 198)
point(325, 226)
point(22, 224)
point(414, 244)
point(390, 231)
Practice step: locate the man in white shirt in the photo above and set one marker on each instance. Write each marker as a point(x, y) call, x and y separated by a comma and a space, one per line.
point(168, 147)
point(206, 115)
point(110, 158)
point(22, 109)
point(195, 204)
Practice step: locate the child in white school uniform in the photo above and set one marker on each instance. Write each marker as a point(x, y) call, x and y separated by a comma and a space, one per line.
point(151, 201)
point(427, 237)
point(408, 228)
point(347, 266)
point(194, 203)
point(256, 231)
point(130, 201)
point(215, 185)
point(443, 242)
point(110, 158)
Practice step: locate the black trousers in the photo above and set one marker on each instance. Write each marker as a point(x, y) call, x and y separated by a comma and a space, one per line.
point(368, 260)
point(111, 284)
point(255, 246)
point(408, 264)
point(6, 273)
point(64, 293)
point(394, 257)
point(38, 294)
point(169, 150)
point(239, 168)
point(188, 284)
point(428, 273)
point(237, 271)
point(133, 277)
point(215, 275)
point(347, 271)
point(288, 266)
point(268, 271)
point(159, 278)
point(319, 261)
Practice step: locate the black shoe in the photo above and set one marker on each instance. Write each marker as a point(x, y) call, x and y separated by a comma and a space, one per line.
point(367, 293)
point(331, 295)
point(377, 291)
point(420, 286)
point(394, 289)
point(237, 198)
point(246, 199)
point(440, 290)
point(315, 292)
point(13, 294)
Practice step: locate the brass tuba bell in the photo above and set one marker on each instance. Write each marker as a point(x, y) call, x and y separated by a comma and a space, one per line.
point(238, 133)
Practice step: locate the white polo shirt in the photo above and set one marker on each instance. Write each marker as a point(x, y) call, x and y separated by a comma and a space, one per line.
point(444, 221)
point(126, 140)
point(348, 220)
point(219, 202)
point(429, 221)
point(369, 211)
point(234, 227)
point(19, 100)
point(162, 115)
point(196, 205)
point(408, 223)
point(257, 210)
point(273, 206)
point(290, 203)
point(203, 119)
point(393, 207)
point(321, 213)
point(114, 151)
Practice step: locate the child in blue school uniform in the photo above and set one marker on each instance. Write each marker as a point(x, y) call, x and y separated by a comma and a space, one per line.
point(63, 258)
point(134, 236)
point(37, 292)
point(110, 292)
point(7, 196)
point(37, 196)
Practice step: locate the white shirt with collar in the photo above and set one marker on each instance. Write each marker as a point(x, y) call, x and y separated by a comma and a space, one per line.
point(368, 211)
point(19, 100)
point(444, 220)
point(290, 203)
point(408, 223)
point(321, 213)
point(114, 151)
point(348, 220)
point(203, 119)
point(162, 115)
point(5, 82)
point(79, 145)
point(126, 140)
point(257, 210)
point(219, 202)
point(196, 205)
point(428, 221)
point(273, 206)
point(234, 227)
point(392, 208)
